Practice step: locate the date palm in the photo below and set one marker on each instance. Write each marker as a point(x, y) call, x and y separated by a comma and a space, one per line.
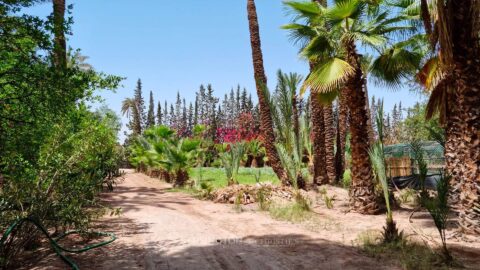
point(130, 108)
point(309, 11)
point(266, 124)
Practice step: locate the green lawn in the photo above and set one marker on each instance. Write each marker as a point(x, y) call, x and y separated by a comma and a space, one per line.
point(216, 176)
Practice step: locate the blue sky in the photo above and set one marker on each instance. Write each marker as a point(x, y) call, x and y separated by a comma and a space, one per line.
point(176, 45)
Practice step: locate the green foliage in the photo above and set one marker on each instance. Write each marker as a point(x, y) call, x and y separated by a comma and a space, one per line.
point(160, 148)
point(262, 196)
point(206, 190)
point(297, 211)
point(347, 178)
point(328, 200)
point(377, 158)
point(231, 156)
point(439, 209)
point(409, 256)
point(416, 127)
point(218, 179)
point(289, 141)
point(56, 155)
point(422, 166)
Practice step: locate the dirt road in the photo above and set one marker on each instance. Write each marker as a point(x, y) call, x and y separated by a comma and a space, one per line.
point(164, 230)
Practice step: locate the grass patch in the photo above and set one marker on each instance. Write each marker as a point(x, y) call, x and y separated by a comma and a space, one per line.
point(296, 211)
point(217, 178)
point(410, 256)
point(289, 212)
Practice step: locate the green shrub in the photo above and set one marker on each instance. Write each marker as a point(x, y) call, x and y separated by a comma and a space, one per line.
point(347, 178)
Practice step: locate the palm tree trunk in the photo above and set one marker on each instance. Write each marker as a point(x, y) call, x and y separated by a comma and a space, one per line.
point(342, 127)
point(362, 193)
point(266, 124)
point(296, 124)
point(60, 45)
point(462, 151)
point(329, 142)
point(371, 133)
point(318, 140)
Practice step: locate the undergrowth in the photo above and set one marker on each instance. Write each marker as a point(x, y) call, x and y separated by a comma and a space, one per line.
point(410, 256)
point(296, 211)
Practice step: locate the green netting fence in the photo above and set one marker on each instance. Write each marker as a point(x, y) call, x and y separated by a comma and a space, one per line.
point(433, 154)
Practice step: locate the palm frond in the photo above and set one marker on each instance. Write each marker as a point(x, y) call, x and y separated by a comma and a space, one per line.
point(329, 76)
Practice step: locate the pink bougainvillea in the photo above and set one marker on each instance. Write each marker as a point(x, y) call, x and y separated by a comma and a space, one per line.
point(244, 130)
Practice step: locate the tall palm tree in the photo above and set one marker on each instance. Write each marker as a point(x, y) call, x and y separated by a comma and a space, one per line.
point(60, 44)
point(130, 107)
point(329, 142)
point(336, 31)
point(266, 124)
point(342, 126)
point(455, 84)
point(320, 176)
point(328, 134)
point(303, 34)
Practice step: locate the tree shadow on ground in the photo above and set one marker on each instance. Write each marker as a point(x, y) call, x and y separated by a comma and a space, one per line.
point(271, 251)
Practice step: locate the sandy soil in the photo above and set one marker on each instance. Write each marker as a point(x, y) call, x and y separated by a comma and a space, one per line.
point(163, 230)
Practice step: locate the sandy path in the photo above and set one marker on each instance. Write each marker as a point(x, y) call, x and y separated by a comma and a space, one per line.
point(164, 230)
point(175, 231)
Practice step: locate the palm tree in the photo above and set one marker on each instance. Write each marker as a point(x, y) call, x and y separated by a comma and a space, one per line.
point(329, 143)
point(60, 45)
point(266, 124)
point(303, 34)
point(455, 84)
point(130, 107)
point(334, 32)
point(289, 143)
point(342, 127)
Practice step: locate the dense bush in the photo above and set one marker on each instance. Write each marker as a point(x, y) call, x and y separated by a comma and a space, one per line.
point(55, 155)
point(160, 149)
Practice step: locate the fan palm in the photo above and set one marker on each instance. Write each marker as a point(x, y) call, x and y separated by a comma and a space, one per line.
point(333, 34)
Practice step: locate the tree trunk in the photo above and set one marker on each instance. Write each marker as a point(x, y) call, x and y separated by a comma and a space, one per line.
point(181, 178)
point(462, 151)
point(296, 124)
point(318, 141)
point(342, 127)
point(60, 45)
point(371, 133)
point(329, 141)
point(266, 124)
point(362, 193)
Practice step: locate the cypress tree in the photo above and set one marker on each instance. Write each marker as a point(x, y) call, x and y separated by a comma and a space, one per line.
point(190, 118)
point(138, 114)
point(201, 104)
point(173, 119)
point(250, 103)
point(243, 101)
point(195, 111)
point(178, 112)
point(166, 119)
point(151, 112)
point(237, 101)
point(159, 114)
point(184, 121)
